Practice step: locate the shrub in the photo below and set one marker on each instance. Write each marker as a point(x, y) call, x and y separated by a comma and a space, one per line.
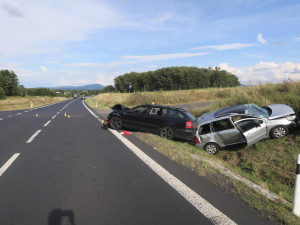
point(2, 93)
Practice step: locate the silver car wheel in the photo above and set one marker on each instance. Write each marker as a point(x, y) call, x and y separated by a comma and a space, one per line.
point(212, 148)
point(279, 132)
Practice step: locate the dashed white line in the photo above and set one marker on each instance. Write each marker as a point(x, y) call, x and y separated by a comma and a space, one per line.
point(8, 163)
point(33, 136)
point(26, 111)
point(18, 114)
point(9, 116)
point(204, 207)
point(1, 119)
point(53, 116)
point(46, 124)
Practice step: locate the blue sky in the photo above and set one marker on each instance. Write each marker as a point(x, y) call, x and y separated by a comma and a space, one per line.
point(53, 43)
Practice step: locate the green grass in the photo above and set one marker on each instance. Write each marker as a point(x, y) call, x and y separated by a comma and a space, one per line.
point(95, 104)
point(166, 98)
point(15, 103)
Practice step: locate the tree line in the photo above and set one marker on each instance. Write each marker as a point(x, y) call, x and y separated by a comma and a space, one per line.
point(173, 78)
point(9, 86)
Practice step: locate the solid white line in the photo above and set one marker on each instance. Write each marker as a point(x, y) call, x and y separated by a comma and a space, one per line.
point(8, 163)
point(53, 116)
point(33, 136)
point(204, 207)
point(46, 124)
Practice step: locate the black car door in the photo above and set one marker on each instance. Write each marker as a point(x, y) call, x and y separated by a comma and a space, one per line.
point(154, 119)
point(134, 118)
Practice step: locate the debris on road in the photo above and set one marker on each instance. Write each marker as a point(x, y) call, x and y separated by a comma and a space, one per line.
point(125, 132)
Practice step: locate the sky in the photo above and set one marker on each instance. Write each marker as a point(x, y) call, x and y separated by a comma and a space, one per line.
point(53, 43)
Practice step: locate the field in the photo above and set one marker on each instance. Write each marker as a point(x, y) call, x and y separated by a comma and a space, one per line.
point(269, 163)
point(15, 103)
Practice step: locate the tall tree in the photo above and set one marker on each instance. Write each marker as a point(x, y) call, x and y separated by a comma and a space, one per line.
point(10, 82)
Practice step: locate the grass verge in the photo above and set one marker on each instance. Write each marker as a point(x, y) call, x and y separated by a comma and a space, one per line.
point(15, 103)
point(95, 103)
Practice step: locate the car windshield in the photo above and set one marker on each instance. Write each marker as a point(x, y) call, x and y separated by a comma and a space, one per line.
point(254, 110)
point(248, 109)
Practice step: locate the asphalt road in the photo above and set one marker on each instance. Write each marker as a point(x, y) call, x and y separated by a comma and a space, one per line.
point(56, 169)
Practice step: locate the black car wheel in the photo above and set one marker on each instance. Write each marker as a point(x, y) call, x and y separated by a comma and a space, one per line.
point(116, 123)
point(279, 132)
point(212, 148)
point(167, 132)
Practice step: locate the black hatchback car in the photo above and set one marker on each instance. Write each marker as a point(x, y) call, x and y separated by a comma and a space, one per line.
point(168, 122)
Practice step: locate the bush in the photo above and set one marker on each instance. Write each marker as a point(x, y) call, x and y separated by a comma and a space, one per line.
point(2, 93)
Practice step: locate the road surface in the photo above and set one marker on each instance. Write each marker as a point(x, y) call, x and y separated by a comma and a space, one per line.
point(58, 166)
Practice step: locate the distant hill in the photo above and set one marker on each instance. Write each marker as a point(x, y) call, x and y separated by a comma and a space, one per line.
point(84, 87)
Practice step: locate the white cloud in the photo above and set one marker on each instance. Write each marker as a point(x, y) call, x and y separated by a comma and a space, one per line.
point(252, 55)
point(43, 69)
point(49, 22)
point(260, 39)
point(75, 78)
point(225, 47)
point(297, 39)
point(151, 66)
point(132, 59)
point(150, 58)
point(11, 10)
point(265, 72)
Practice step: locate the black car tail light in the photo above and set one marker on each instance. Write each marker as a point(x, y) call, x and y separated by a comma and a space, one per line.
point(188, 124)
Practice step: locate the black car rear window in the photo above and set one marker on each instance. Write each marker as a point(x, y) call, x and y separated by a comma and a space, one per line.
point(189, 116)
point(176, 114)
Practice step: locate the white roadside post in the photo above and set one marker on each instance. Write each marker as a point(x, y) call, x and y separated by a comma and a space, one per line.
point(31, 104)
point(296, 203)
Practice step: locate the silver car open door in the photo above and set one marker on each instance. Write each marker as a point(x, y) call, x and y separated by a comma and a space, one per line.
point(253, 129)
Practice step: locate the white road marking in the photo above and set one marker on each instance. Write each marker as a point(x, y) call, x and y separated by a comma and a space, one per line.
point(46, 124)
point(57, 113)
point(26, 111)
point(8, 163)
point(9, 116)
point(18, 114)
point(204, 207)
point(33, 136)
point(1, 119)
point(53, 116)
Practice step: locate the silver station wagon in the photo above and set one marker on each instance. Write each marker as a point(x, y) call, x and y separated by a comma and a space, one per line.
point(240, 124)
